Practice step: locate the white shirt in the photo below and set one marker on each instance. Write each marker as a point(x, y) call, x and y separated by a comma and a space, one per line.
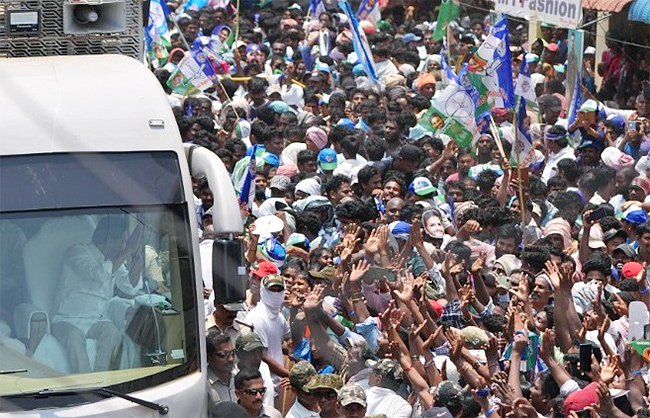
point(299, 411)
point(272, 332)
point(597, 199)
point(87, 290)
point(550, 170)
point(387, 402)
point(349, 168)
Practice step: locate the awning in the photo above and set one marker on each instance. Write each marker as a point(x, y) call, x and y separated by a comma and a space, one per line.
point(606, 5)
point(640, 11)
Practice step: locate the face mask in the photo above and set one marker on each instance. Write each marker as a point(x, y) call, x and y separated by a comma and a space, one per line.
point(272, 300)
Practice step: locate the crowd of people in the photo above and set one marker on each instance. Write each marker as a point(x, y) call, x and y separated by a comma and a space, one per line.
point(395, 274)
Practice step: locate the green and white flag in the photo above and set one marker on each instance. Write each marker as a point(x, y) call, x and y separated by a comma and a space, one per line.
point(452, 114)
point(449, 10)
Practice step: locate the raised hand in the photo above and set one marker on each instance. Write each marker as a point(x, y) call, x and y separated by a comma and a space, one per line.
point(359, 270)
point(406, 293)
point(478, 264)
point(457, 342)
point(610, 370)
point(373, 243)
point(313, 300)
point(351, 234)
point(415, 330)
point(502, 388)
point(546, 350)
point(520, 343)
point(553, 274)
point(432, 338)
point(522, 289)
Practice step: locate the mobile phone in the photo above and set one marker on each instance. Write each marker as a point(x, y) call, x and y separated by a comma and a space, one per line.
point(597, 214)
point(583, 413)
point(633, 125)
point(379, 273)
point(585, 357)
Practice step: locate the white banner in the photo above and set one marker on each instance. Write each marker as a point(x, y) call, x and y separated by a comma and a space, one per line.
point(563, 13)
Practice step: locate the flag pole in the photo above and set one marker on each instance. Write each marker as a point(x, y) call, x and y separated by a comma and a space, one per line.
point(497, 138)
point(520, 186)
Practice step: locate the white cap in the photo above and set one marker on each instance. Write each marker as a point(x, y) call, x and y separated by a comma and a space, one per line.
point(590, 50)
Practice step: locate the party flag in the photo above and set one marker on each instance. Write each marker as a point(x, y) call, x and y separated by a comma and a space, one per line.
point(524, 142)
point(156, 33)
point(369, 10)
point(576, 101)
point(360, 43)
point(193, 74)
point(247, 187)
point(524, 86)
point(452, 114)
point(316, 7)
point(449, 10)
point(490, 70)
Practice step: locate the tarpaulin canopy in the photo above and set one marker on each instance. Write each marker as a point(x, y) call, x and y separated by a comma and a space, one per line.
point(639, 11)
point(606, 5)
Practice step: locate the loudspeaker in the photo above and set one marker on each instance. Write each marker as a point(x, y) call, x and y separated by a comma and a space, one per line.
point(88, 17)
point(228, 271)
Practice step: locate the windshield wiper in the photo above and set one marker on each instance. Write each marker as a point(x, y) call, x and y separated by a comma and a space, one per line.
point(106, 392)
point(13, 371)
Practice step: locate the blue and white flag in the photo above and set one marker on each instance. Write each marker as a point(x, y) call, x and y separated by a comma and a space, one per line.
point(576, 101)
point(247, 186)
point(195, 5)
point(447, 73)
point(490, 70)
point(193, 74)
point(360, 43)
point(369, 10)
point(156, 33)
point(524, 86)
point(316, 7)
point(524, 142)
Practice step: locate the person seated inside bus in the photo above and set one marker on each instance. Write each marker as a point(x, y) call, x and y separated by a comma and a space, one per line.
point(86, 306)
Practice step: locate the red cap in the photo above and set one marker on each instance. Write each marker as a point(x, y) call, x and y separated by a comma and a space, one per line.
point(581, 399)
point(436, 307)
point(631, 269)
point(644, 184)
point(265, 268)
point(552, 47)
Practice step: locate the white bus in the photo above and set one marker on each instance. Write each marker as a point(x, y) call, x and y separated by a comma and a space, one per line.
point(101, 304)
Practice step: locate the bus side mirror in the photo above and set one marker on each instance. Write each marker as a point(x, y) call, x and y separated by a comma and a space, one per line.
point(228, 271)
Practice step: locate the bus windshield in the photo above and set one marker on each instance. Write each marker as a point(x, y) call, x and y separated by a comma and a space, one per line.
point(96, 275)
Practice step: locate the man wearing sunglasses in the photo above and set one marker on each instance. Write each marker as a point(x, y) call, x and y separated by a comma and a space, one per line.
point(221, 362)
point(325, 388)
point(250, 390)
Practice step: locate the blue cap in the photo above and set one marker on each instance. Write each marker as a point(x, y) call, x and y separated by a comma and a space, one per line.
point(635, 215)
point(400, 230)
point(279, 106)
point(327, 159)
point(358, 70)
point(271, 159)
point(411, 37)
point(273, 251)
point(617, 122)
point(252, 48)
point(348, 123)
